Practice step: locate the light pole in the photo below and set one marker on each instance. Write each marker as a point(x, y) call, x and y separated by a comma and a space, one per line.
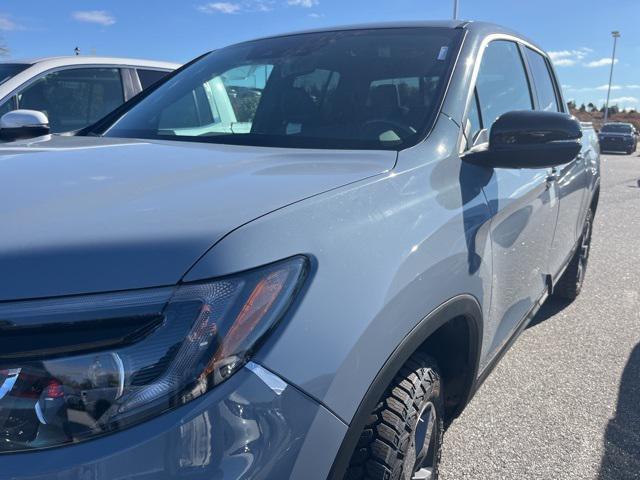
point(455, 9)
point(615, 34)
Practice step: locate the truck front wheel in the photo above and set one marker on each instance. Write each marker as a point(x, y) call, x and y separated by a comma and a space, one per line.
point(403, 437)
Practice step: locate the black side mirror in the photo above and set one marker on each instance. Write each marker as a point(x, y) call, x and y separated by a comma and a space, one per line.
point(23, 124)
point(529, 139)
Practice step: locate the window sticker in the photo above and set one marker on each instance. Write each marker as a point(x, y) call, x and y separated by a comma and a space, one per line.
point(443, 53)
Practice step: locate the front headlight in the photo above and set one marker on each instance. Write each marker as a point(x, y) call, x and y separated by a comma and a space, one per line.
point(77, 367)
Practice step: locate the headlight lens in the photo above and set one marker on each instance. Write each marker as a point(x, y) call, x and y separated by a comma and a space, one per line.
point(78, 367)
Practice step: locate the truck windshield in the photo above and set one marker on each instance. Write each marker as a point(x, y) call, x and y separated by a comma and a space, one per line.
point(617, 128)
point(361, 89)
point(9, 70)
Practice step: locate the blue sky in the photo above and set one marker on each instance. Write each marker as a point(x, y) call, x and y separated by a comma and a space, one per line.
point(577, 32)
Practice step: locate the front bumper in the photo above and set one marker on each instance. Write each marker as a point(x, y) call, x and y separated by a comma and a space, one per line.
point(253, 426)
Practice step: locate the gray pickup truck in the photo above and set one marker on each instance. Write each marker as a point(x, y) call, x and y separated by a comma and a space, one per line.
point(296, 257)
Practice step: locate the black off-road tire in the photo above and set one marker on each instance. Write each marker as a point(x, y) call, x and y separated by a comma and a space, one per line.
point(570, 284)
point(410, 412)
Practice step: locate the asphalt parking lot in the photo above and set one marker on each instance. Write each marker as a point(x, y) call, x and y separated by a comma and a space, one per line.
point(564, 403)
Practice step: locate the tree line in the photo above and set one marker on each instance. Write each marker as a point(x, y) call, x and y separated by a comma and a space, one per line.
point(591, 108)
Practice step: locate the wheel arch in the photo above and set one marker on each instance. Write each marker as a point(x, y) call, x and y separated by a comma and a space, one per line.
point(463, 310)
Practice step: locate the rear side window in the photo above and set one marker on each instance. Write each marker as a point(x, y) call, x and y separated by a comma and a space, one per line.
point(502, 83)
point(149, 77)
point(8, 106)
point(545, 90)
point(9, 70)
point(74, 98)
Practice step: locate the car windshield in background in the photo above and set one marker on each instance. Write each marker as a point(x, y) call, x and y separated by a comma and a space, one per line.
point(617, 128)
point(375, 89)
point(9, 70)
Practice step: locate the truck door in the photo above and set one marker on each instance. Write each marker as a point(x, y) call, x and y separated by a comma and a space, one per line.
point(571, 178)
point(522, 201)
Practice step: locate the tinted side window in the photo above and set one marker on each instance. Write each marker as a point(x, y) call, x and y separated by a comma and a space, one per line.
point(149, 77)
point(547, 99)
point(502, 82)
point(74, 98)
point(10, 70)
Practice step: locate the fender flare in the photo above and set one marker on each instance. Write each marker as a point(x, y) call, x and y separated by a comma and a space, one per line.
point(465, 306)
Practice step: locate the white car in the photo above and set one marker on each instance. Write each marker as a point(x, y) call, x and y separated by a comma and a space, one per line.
point(74, 92)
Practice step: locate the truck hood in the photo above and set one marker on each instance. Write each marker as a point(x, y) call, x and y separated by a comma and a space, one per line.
point(96, 216)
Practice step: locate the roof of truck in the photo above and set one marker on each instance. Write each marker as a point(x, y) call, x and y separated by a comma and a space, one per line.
point(480, 28)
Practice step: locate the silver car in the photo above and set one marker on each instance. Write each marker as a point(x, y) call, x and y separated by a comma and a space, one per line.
point(74, 92)
point(299, 257)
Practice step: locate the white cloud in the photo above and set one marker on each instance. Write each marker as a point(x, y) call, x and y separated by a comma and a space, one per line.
point(603, 62)
point(623, 100)
point(237, 7)
point(263, 5)
point(623, 103)
point(247, 6)
point(568, 58)
point(220, 7)
point(303, 3)
point(7, 24)
point(101, 17)
point(564, 62)
point(602, 88)
point(606, 87)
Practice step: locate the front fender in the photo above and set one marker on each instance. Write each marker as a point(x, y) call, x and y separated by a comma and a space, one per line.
point(385, 252)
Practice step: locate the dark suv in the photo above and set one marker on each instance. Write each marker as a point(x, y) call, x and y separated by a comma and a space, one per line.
point(618, 137)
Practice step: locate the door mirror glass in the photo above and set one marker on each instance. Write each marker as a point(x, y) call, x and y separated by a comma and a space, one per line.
point(529, 139)
point(22, 124)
